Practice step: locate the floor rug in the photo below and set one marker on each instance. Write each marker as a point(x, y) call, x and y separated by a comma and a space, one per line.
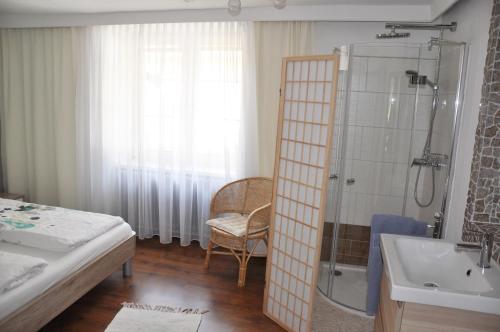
point(330, 318)
point(134, 317)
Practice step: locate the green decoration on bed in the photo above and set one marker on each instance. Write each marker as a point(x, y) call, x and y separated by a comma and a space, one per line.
point(17, 223)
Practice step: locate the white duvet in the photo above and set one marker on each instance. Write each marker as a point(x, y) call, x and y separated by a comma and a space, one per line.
point(51, 228)
point(15, 269)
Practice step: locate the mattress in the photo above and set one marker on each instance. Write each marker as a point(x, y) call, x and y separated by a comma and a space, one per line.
point(60, 265)
point(51, 228)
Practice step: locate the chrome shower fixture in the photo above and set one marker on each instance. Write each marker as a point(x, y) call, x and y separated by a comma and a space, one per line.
point(435, 160)
point(417, 79)
point(422, 26)
point(413, 26)
point(439, 41)
point(392, 34)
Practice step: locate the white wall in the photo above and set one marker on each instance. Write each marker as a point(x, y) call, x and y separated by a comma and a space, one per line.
point(473, 17)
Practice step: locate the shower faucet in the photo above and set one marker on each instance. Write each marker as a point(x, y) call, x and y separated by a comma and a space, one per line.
point(435, 160)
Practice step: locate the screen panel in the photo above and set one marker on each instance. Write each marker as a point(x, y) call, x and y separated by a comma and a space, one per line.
point(305, 127)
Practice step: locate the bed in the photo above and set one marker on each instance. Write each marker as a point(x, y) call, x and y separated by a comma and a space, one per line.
point(66, 277)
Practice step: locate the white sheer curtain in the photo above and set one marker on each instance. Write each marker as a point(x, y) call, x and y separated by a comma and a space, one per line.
point(166, 114)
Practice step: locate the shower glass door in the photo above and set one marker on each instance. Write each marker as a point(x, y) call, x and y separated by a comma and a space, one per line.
point(373, 160)
point(428, 185)
point(382, 126)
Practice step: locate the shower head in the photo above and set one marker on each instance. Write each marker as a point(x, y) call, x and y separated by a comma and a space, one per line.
point(417, 79)
point(392, 34)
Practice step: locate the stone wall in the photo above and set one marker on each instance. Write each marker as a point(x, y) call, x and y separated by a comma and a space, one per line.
point(483, 202)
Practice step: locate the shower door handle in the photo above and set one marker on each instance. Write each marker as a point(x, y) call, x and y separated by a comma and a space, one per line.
point(351, 181)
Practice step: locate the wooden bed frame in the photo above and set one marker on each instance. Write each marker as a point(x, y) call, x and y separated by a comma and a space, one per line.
point(42, 309)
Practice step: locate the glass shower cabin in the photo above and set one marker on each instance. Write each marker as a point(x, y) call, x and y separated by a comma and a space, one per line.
point(397, 112)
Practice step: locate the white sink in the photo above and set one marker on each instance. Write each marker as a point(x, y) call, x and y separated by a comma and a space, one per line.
point(430, 271)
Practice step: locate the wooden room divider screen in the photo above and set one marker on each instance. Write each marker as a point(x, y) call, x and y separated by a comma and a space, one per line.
point(305, 127)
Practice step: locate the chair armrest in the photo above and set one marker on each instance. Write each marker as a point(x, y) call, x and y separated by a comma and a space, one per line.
point(259, 218)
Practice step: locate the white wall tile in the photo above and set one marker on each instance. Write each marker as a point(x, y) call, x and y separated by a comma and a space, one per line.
point(388, 74)
point(377, 50)
point(406, 111)
point(423, 112)
point(379, 143)
point(359, 69)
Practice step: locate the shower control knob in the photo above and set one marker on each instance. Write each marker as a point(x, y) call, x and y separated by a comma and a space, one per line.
point(351, 181)
point(333, 176)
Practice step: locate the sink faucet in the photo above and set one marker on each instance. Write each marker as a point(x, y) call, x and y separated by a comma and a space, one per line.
point(486, 250)
point(485, 247)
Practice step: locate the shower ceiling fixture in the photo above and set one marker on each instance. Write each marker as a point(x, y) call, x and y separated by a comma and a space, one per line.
point(414, 26)
point(234, 6)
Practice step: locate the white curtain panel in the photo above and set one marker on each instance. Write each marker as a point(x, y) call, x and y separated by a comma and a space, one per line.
point(37, 99)
point(166, 114)
point(275, 40)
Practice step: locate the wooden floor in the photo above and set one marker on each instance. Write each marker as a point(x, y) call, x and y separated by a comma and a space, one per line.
point(174, 275)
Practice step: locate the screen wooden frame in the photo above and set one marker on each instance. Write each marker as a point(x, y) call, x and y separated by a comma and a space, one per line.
point(324, 181)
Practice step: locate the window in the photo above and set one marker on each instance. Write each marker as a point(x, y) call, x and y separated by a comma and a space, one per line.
point(173, 96)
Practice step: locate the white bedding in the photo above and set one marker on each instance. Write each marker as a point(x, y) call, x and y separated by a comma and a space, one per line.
point(16, 269)
point(60, 265)
point(51, 228)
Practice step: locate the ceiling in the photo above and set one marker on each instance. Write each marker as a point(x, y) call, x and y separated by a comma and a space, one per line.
point(107, 6)
point(25, 13)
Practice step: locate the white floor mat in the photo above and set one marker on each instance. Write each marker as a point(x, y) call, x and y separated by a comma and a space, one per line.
point(153, 319)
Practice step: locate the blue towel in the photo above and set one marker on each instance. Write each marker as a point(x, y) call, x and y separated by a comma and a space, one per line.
point(389, 224)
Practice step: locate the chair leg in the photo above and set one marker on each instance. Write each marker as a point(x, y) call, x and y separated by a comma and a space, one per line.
point(243, 269)
point(209, 252)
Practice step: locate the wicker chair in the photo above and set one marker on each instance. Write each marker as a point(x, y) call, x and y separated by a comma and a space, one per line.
point(249, 203)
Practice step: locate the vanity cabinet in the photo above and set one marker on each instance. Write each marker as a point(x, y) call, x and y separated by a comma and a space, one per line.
point(412, 317)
